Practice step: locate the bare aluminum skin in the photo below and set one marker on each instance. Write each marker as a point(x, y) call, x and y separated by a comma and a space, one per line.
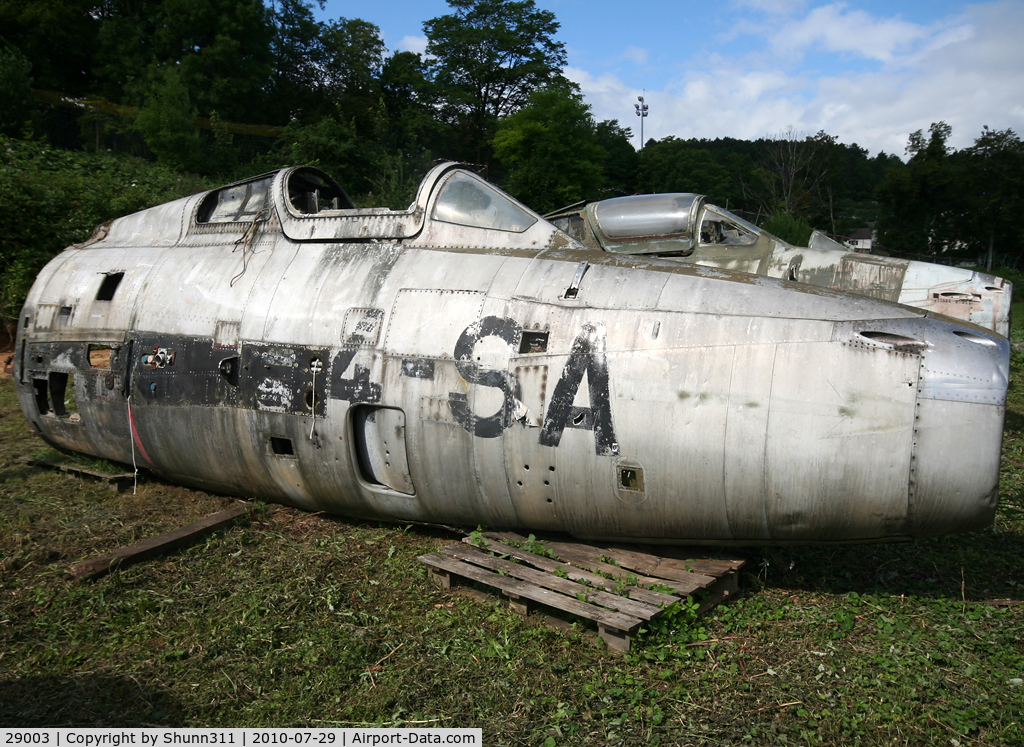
point(709, 235)
point(465, 362)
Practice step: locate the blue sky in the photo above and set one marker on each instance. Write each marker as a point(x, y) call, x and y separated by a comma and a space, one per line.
point(866, 72)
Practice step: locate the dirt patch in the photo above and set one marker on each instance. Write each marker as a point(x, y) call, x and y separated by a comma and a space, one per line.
point(7, 356)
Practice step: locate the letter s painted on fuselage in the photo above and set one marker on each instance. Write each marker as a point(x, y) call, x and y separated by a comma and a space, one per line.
point(588, 355)
point(494, 425)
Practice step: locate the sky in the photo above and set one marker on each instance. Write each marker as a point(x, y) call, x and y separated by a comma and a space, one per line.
point(865, 72)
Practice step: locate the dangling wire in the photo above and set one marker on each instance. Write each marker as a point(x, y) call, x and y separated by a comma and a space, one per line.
point(315, 365)
point(313, 408)
point(248, 240)
point(131, 439)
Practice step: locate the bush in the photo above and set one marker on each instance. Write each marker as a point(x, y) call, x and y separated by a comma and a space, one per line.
point(790, 229)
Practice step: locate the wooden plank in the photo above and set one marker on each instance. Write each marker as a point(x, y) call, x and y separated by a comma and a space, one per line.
point(692, 566)
point(566, 586)
point(626, 557)
point(583, 555)
point(154, 546)
point(514, 586)
point(585, 559)
point(640, 563)
point(574, 573)
point(656, 565)
point(698, 562)
point(118, 483)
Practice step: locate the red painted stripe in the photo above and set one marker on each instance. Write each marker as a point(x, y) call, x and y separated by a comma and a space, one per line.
point(135, 435)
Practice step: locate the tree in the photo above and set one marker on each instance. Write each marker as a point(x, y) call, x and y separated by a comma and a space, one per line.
point(57, 36)
point(621, 162)
point(487, 56)
point(298, 61)
point(932, 149)
point(54, 198)
point(917, 201)
point(789, 173)
point(410, 100)
point(992, 170)
point(790, 229)
point(15, 91)
point(550, 149)
point(166, 121)
point(674, 165)
point(124, 49)
point(353, 60)
point(223, 50)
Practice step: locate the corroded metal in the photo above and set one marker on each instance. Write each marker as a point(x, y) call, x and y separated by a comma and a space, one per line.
point(464, 361)
point(708, 235)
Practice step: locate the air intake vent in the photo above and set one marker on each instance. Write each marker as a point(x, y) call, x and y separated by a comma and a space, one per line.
point(898, 342)
point(972, 337)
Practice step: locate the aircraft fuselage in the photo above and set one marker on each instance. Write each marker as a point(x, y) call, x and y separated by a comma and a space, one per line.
point(427, 366)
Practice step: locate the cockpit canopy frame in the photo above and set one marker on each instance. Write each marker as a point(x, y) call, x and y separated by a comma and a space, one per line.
point(648, 224)
point(311, 206)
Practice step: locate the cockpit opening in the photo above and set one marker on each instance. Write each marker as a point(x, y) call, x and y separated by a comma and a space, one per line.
point(722, 227)
point(311, 191)
point(237, 203)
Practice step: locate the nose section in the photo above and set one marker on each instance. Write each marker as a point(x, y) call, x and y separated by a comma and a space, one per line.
point(958, 432)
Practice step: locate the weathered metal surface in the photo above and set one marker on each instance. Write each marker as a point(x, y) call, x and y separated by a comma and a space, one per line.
point(488, 369)
point(729, 242)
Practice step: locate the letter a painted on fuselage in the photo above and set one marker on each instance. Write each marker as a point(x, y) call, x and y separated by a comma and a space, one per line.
point(589, 355)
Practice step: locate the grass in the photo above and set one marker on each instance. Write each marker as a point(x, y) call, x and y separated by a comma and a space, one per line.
point(293, 619)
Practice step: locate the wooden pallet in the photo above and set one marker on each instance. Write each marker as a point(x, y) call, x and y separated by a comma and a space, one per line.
point(580, 580)
point(118, 483)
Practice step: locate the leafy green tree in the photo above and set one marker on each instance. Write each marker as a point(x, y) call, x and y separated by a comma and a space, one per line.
point(296, 89)
point(673, 165)
point(221, 154)
point(991, 176)
point(410, 100)
point(917, 208)
point(550, 149)
point(331, 144)
point(487, 56)
point(621, 161)
point(167, 122)
point(57, 36)
point(15, 91)
point(223, 51)
point(223, 48)
point(353, 59)
point(790, 229)
point(372, 174)
point(124, 49)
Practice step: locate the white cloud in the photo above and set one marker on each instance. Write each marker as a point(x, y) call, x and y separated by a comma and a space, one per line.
point(836, 28)
point(967, 71)
point(412, 44)
point(635, 55)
